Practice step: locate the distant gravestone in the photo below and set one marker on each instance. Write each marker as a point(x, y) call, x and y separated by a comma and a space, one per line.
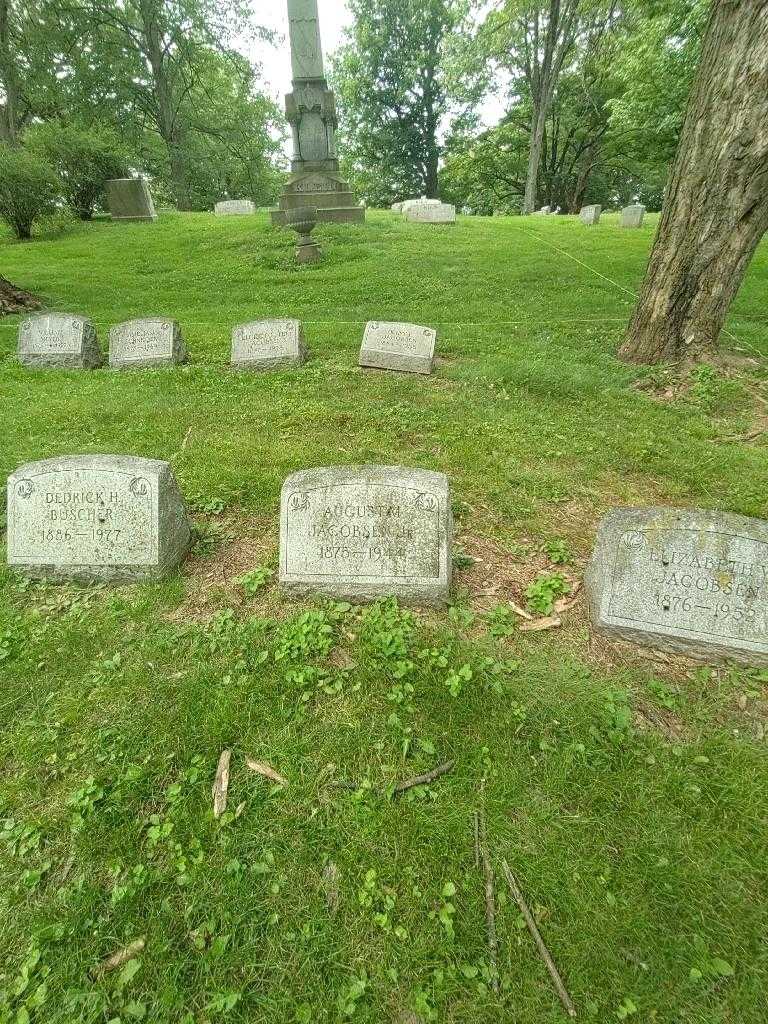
point(95, 518)
point(590, 214)
point(364, 532)
point(153, 341)
point(59, 340)
point(689, 581)
point(396, 346)
point(232, 207)
point(396, 207)
point(546, 210)
point(436, 213)
point(632, 216)
point(409, 204)
point(266, 344)
point(129, 199)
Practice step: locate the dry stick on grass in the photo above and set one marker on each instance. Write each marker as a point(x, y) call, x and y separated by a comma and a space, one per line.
point(490, 898)
point(221, 784)
point(262, 768)
point(544, 953)
point(118, 959)
point(423, 780)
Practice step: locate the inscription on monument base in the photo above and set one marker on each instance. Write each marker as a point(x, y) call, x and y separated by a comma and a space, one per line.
point(396, 346)
point(363, 532)
point(95, 517)
point(688, 581)
point(265, 344)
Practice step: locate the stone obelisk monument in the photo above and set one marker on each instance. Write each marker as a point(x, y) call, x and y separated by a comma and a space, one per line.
point(311, 113)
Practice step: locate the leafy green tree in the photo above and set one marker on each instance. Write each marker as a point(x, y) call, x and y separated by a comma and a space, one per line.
point(28, 189)
point(83, 158)
point(402, 79)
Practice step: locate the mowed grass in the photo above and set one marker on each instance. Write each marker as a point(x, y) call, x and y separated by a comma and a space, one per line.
point(628, 793)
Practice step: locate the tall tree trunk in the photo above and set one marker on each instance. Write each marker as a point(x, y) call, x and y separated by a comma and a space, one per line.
point(716, 210)
point(534, 159)
point(8, 78)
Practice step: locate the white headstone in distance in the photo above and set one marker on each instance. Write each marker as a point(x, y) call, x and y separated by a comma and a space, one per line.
point(590, 215)
point(632, 216)
point(398, 346)
point(440, 213)
point(365, 532)
point(234, 207)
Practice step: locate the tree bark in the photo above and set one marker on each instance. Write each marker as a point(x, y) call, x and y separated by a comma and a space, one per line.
point(716, 209)
point(8, 78)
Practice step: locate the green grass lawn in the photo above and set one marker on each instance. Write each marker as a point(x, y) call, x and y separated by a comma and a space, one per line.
point(626, 790)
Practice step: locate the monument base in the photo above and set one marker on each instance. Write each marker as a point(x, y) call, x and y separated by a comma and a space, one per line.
point(321, 187)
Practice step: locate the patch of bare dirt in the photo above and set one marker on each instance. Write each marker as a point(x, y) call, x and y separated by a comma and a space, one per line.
point(242, 543)
point(648, 717)
point(15, 300)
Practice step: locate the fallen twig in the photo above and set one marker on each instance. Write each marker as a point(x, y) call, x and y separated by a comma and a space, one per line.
point(422, 780)
point(221, 784)
point(537, 625)
point(544, 953)
point(262, 768)
point(118, 959)
point(490, 897)
point(518, 610)
point(476, 818)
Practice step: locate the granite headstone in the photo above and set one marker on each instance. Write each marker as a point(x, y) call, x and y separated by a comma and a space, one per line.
point(130, 199)
point(432, 213)
point(153, 341)
point(364, 532)
point(234, 207)
point(266, 344)
point(95, 518)
point(59, 340)
point(396, 346)
point(691, 581)
point(632, 216)
point(590, 215)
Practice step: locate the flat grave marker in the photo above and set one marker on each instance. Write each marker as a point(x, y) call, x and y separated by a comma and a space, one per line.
point(268, 344)
point(95, 518)
point(690, 581)
point(397, 346)
point(59, 341)
point(434, 213)
point(152, 341)
point(365, 532)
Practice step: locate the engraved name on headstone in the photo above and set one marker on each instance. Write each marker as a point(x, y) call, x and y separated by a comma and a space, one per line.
point(364, 532)
point(154, 341)
point(59, 340)
point(632, 216)
point(691, 581)
point(590, 214)
point(130, 199)
point(266, 344)
point(234, 207)
point(95, 518)
point(396, 346)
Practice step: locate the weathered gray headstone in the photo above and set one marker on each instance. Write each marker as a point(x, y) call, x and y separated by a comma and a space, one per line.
point(546, 210)
point(233, 207)
point(395, 346)
point(632, 216)
point(95, 518)
point(396, 207)
point(364, 532)
point(154, 341)
point(431, 213)
point(129, 199)
point(590, 214)
point(59, 340)
point(678, 580)
point(266, 344)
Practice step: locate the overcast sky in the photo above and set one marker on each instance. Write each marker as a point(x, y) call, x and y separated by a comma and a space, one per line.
point(334, 18)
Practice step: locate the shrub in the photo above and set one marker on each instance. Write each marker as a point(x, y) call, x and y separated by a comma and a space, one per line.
point(84, 159)
point(28, 189)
